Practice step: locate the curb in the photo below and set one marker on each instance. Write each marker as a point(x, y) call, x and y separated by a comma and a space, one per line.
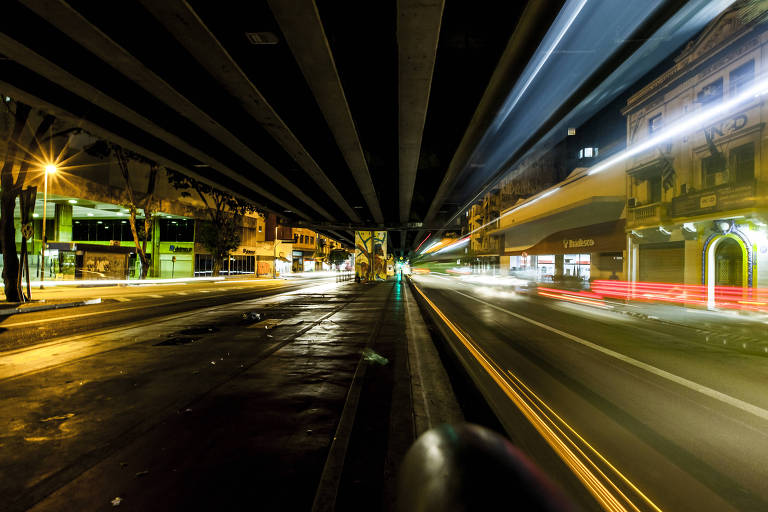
point(735, 342)
point(44, 307)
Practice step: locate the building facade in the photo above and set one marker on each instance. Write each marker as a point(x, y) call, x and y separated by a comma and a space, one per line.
point(696, 203)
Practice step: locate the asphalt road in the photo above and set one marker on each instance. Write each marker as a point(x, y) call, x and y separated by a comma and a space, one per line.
point(122, 305)
point(175, 402)
point(646, 418)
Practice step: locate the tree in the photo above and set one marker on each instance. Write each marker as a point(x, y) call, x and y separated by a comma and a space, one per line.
point(220, 234)
point(147, 204)
point(10, 189)
point(337, 256)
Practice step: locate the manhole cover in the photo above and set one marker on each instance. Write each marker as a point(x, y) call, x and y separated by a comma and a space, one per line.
point(203, 329)
point(176, 340)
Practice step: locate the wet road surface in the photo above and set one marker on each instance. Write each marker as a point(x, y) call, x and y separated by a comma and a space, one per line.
point(670, 423)
point(122, 305)
point(209, 410)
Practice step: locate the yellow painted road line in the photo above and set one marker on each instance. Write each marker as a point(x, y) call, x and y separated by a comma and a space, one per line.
point(694, 386)
point(537, 399)
point(269, 323)
point(553, 436)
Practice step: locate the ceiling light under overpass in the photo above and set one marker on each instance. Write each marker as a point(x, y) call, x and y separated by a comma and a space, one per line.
point(262, 38)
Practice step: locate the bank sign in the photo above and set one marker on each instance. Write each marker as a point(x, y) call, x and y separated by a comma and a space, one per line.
point(176, 248)
point(578, 244)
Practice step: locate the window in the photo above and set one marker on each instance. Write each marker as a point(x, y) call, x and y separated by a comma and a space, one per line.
point(312, 240)
point(177, 230)
point(743, 163)
point(90, 230)
point(711, 92)
point(741, 77)
point(654, 123)
point(654, 189)
point(260, 228)
point(295, 238)
point(711, 166)
point(587, 152)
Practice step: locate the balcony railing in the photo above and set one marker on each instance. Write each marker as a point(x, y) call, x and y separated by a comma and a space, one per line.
point(646, 214)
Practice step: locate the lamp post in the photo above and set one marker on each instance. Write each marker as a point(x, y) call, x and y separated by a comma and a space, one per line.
point(274, 263)
point(49, 169)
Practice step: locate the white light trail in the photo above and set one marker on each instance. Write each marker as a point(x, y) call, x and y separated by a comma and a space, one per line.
point(547, 53)
point(693, 122)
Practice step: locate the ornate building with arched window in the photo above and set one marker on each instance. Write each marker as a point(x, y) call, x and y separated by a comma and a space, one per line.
point(696, 201)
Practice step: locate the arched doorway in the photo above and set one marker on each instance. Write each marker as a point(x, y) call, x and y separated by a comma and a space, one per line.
point(729, 263)
point(726, 268)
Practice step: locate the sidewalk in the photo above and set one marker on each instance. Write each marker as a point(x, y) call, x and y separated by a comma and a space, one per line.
point(737, 330)
point(740, 330)
point(323, 397)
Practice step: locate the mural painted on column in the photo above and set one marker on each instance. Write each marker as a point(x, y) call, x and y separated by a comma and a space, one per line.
point(371, 255)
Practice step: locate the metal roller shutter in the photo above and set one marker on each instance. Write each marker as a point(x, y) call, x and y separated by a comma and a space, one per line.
point(662, 263)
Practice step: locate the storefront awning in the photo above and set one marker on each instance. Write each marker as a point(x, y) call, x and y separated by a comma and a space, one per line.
point(603, 237)
point(588, 212)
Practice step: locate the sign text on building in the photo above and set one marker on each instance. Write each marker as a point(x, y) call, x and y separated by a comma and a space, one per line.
point(581, 242)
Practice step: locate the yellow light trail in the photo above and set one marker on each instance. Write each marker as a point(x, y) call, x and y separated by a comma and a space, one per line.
point(609, 496)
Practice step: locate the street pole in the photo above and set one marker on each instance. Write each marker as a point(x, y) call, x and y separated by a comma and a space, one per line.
point(48, 169)
point(274, 251)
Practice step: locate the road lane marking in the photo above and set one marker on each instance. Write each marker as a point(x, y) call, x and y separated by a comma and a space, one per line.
point(83, 315)
point(155, 296)
point(712, 393)
point(122, 299)
point(9, 370)
point(181, 293)
point(547, 430)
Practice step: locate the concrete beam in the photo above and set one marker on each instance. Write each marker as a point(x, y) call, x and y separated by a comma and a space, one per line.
point(533, 23)
point(99, 131)
point(418, 31)
point(79, 29)
point(47, 69)
point(178, 17)
point(301, 25)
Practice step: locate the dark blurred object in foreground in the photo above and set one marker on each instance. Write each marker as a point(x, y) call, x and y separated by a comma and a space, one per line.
point(468, 467)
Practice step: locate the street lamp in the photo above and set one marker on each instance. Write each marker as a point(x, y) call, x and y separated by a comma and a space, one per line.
point(49, 169)
point(274, 263)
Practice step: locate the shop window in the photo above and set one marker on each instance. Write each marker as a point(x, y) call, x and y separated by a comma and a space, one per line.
point(741, 77)
point(654, 189)
point(104, 230)
point(713, 91)
point(654, 123)
point(743, 162)
point(712, 168)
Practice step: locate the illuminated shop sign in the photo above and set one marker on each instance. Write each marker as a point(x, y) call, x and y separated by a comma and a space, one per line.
point(581, 242)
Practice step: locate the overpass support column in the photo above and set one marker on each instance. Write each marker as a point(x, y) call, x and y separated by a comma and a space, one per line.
point(63, 223)
point(559, 266)
point(371, 255)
